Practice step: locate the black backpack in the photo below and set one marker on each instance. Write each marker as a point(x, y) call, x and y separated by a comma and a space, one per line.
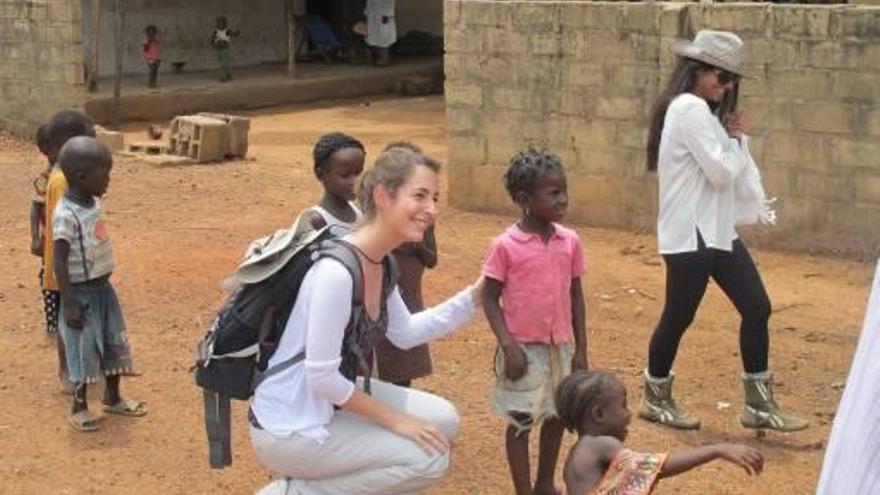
point(233, 356)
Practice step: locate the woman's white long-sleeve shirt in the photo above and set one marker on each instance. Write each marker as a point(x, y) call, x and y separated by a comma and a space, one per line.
point(698, 163)
point(300, 399)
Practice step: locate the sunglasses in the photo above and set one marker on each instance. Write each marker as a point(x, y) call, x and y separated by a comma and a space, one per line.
point(726, 77)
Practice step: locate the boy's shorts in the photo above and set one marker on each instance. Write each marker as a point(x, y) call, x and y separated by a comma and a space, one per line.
point(534, 393)
point(101, 346)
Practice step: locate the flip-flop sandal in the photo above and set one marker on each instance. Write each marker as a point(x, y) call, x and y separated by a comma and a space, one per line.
point(127, 407)
point(85, 421)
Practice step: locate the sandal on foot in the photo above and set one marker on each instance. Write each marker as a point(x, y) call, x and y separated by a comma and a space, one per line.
point(127, 407)
point(85, 421)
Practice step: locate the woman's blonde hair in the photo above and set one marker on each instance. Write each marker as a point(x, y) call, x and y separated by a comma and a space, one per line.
point(392, 169)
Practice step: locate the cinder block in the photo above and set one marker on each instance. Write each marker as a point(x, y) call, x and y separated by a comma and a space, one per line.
point(461, 120)
point(534, 17)
point(201, 138)
point(486, 13)
point(868, 189)
point(642, 17)
point(673, 19)
point(463, 94)
point(495, 40)
point(800, 22)
point(582, 73)
point(857, 85)
point(796, 150)
point(620, 108)
point(808, 84)
point(872, 121)
point(148, 148)
point(237, 136)
point(547, 44)
point(467, 149)
point(575, 104)
point(855, 22)
point(832, 54)
point(114, 141)
point(823, 186)
point(512, 99)
point(851, 152)
point(827, 116)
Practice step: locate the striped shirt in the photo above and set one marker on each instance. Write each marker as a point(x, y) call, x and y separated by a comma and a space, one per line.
point(83, 228)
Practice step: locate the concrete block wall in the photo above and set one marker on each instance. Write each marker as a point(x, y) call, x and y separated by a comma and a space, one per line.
point(579, 78)
point(40, 61)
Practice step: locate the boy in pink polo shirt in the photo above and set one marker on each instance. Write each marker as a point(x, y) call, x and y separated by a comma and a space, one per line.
point(534, 303)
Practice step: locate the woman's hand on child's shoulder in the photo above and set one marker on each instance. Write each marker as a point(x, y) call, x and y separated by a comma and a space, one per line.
point(747, 457)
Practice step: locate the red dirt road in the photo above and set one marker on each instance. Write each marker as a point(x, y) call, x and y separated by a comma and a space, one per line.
point(178, 232)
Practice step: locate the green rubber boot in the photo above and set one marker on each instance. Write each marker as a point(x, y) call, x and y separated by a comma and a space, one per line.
point(659, 406)
point(761, 411)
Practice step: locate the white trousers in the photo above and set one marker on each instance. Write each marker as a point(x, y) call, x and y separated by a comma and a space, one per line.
point(852, 460)
point(360, 457)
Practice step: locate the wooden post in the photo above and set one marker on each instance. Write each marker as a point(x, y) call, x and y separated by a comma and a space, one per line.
point(92, 83)
point(291, 38)
point(120, 48)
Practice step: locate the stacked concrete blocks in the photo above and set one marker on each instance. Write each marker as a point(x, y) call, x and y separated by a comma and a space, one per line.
point(237, 133)
point(201, 138)
point(579, 78)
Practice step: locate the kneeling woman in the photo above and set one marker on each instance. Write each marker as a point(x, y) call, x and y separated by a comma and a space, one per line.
point(315, 426)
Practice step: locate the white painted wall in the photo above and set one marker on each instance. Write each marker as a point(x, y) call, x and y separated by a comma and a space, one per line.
point(185, 29)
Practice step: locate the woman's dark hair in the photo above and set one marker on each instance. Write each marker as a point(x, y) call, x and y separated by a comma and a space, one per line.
point(683, 80)
point(151, 29)
point(578, 393)
point(526, 168)
point(331, 143)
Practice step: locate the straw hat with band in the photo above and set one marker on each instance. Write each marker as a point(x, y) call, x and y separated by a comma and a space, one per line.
point(720, 49)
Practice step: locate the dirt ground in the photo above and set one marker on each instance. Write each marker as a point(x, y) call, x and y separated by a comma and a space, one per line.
point(178, 232)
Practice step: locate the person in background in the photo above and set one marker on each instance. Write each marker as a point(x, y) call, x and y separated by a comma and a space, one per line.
point(151, 54)
point(381, 30)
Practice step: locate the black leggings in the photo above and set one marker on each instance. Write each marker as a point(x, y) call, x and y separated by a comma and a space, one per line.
point(687, 275)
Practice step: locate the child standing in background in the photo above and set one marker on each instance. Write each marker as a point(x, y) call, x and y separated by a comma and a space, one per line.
point(38, 230)
point(93, 330)
point(534, 302)
point(396, 365)
point(593, 404)
point(339, 161)
point(151, 54)
point(63, 126)
point(220, 40)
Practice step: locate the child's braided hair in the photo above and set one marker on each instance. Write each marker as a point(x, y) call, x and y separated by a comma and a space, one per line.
point(331, 143)
point(578, 393)
point(526, 168)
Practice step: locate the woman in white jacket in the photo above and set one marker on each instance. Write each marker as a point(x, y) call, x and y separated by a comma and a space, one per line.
point(708, 184)
point(312, 422)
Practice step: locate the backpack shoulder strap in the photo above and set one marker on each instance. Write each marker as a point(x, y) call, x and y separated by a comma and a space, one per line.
point(338, 250)
point(345, 254)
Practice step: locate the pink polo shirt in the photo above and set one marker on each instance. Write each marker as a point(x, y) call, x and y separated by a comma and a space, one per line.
point(536, 297)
